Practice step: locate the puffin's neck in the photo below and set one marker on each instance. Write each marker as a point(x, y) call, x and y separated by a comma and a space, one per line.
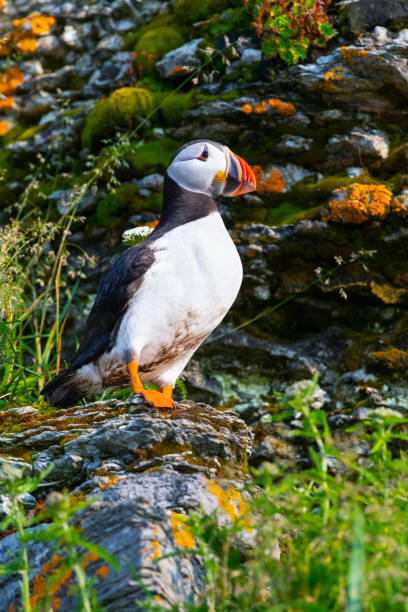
point(182, 206)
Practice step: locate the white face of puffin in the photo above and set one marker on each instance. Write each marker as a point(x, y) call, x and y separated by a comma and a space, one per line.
point(212, 169)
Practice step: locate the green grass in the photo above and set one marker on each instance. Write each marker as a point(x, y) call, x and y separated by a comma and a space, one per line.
point(343, 537)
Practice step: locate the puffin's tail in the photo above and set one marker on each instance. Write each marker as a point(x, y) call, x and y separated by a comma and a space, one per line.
point(64, 391)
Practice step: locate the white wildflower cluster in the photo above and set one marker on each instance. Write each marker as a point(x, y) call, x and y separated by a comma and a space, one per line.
point(135, 235)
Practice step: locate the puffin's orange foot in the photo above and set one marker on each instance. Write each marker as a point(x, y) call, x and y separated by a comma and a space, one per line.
point(158, 399)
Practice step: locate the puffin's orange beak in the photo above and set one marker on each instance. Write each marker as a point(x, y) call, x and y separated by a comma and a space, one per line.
point(240, 178)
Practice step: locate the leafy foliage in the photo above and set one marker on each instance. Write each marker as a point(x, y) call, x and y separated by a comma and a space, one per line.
point(287, 28)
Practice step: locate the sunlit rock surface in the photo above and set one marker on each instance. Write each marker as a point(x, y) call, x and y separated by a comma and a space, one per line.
point(148, 469)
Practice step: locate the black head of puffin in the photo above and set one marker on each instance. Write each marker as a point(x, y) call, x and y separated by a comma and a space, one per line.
point(212, 169)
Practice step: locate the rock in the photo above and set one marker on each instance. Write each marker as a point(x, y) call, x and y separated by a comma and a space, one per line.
point(70, 37)
point(294, 144)
point(67, 198)
point(250, 56)
point(181, 61)
point(354, 171)
point(111, 43)
point(328, 116)
point(24, 410)
point(364, 14)
point(290, 174)
point(150, 469)
point(366, 144)
point(154, 182)
point(113, 73)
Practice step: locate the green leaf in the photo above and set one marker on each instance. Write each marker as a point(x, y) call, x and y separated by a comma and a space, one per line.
point(327, 30)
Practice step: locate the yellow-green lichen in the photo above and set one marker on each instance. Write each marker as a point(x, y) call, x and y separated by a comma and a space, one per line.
point(151, 155)
point(192, 11)
point(120, 110)
point(391, 358)
point(153, 44)
point(174, 105)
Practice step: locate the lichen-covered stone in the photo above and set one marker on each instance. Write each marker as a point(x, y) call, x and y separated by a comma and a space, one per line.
point(180, 61)
point(150, 469)
point(121, 109)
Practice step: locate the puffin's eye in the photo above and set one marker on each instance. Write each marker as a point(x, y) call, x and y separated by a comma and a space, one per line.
point(204, 155)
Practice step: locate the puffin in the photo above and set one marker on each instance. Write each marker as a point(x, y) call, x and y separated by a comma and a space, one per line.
point(162, 297)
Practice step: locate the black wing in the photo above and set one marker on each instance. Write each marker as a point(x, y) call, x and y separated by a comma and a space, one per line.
point(117, 287)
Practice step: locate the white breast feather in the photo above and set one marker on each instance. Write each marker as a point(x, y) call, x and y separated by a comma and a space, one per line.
point(192, 284)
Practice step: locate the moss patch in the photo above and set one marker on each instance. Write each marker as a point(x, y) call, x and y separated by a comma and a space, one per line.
point(31, 132)
point(121, 109)
point(156, 41)
point(153, 203)
point(119, 204)
point(173, 106)
point(191, 11)
point(152, 155)
point(285, 213)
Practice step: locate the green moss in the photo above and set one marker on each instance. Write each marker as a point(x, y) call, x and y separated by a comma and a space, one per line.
point(117, 206)
point(12, 135)
point(73, 112)
point(31, 132)
point(152, 154)
point(76, 83)
point(154, 203)
point(285, 213)
point(174, 105)
point(191, 11)
point(121, 109)
point(229, 95)
point(154, 43)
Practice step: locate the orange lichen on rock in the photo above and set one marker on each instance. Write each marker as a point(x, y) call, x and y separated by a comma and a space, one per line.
point(111, 482)
point(283, 108)
point(330, 77)
point(156, 549)
point(37, 23)
point(102, 571)
point(26, 44)
point(359, 203)
point(181, 533)
point(40, 588)
point(9, 80)
point(232, 503)
point(25, 31)
point(392, 358)
point(273, 184)
point(399, 205)
point(89, 556)
point(387, 293)
point(351, 53)
point(261, 108)
point(6, 103)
